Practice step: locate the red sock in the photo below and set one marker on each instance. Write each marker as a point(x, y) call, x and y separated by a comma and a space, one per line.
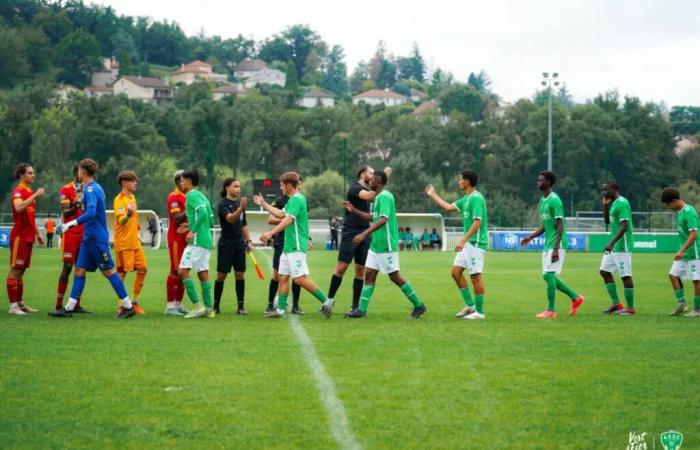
point(180, 290)
point(12, 290)
point(20, 290)
point(62, 287)
point(170, 289)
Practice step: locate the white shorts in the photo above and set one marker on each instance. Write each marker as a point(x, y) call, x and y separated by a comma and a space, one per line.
point(383, 262)
point(195, 258)
point(293, 265)
point(617, 262)
point(686, 270)
point(471, 258)
point(548, 265)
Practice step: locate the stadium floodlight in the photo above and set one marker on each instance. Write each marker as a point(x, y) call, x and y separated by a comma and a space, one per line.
point(548, 82)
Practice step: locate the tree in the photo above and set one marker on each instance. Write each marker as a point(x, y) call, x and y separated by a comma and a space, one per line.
point(480, 82)
point(53, 143)
point(334, 72)
point(291, 83)
point(324, 193)
point(14, 65)
point(462, 98)
point(77, 57)
point(412, 67)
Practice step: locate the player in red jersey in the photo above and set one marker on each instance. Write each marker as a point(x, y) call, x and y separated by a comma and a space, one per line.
point(177, 241)
point(70, 195)
point(24, 233)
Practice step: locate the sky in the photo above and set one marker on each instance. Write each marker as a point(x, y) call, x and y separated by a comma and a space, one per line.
point(645, 48)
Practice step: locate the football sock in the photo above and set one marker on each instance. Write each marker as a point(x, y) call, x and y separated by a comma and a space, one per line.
point(218, 292)
point(78, 286)
point(479, 300)
point(114, 280)
point(282, 301)
point(696, 302)
point(206, 293)
point(271, 292)
point(566, 289)
point(20, 290)
point(410, 294)
point(680, 295)
point(191, 290)
point(319, 295)
point(357, 284)
point(240, 293)
point(138, 284)
point(12, 290)
point(629, 297)
point(60, 293)
point(367, 291)
point(466, 296)
point(335, 285)
point(551, 280)
point(296, 293)
point(612, 292)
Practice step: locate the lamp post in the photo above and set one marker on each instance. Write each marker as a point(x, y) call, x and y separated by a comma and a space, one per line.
point(548, 81)
point(344, 137)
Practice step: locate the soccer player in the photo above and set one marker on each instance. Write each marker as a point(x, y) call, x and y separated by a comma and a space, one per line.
point(234, 242)
point(383, 255)
point(127, 245)
point(472, 247)
point(295, 224)
point(177, 242)
point(686, 264)
point(200, 220)
point(278, 245)
point(70, 241)
point(359, 195)
point(94, 250)
point(22, 236)
point(617, 257)
point(555, 243)
point(50, 227)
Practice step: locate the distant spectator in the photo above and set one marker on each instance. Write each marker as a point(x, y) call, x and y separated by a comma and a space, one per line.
point(435, 241)
point(425, 239)
point(402, 237)
point(153, 229)
point(335, 227)
point(408, 239)
point(50, 226)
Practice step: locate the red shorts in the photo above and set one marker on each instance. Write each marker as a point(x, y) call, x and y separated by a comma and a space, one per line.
point(175, 249)
point(70, 244)
point(20, 253)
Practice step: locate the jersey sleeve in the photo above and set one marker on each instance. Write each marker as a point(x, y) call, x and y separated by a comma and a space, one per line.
point(557, 209)
point(64, 196)
point(381, 205)
point(691, 220)
point(354, 191)
point(478, 208)
point(293, 207)
point(119, 209)
point(625, 212)
point(173, 205)
point(16, 197)
point(90, 201)
point(461, 203)
point(222, 209)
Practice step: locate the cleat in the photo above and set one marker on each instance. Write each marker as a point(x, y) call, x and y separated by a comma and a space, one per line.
point(138, 309)
point(298, 311)
point(61, 313)
point(242, 312)
point(210, 313)
point(173, 312)
point(546, 314)
point(627, 312)
point(15, 310)
point(613, 308)
point(327, 308)
point(465, 311)
point(694, 313)
point(475, 316)
point(418, 311)
point(120, 309)
point(276, 313)
point(356, 314)
point(681, 308)
point(198, 311)
point(127, 313)
point(81, 310)
point(27, 309)
point(181, 310)
point(217, 309)
point(575, 305)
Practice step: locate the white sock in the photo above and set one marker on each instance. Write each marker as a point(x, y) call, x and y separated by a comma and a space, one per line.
point(178, 305)
point(71, 304)
point(126, 303)
point(171, 305)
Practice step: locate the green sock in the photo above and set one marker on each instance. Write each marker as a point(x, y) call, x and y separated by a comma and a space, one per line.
point(629, 297)
point(366, 296)
point(282, 301)
point(410, 294)
point(680, 295)
point(206, 293)
point(551, 280)
point(191, 290)
point(466, 296)
point(696, 300)
point(612, 292)
point(566, 289)
point(320, 296)
point(479, 303)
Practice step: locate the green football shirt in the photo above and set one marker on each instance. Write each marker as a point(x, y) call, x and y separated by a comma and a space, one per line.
point(385, 239)
point(200, 218)
point(620, 211)
point(551, 209)
point(296, 235)
point(473, 206)
point(687, 221)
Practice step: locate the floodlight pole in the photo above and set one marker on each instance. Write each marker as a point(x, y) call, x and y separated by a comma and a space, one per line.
point(547, 82)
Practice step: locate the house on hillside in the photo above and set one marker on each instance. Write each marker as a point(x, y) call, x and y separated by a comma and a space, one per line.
point(315, 96)
point(108, 74)
point(196, 70)
point(98, 91)
point(64, 91)
point(254, 71)
point(430, 107)
point(226, 90)
point(418, 96)
point(151, 90)
point(377, 96)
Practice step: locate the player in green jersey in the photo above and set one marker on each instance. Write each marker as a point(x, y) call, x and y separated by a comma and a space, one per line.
point(295, 224)
point(472, 246)
point(686, 264)
point(617, 256)
point(383, 253)
point(555, 243)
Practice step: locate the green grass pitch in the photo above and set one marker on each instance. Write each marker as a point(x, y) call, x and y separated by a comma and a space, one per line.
point(511, 381)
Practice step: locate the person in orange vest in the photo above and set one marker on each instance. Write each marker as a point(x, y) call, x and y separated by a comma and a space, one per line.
point(50, 227)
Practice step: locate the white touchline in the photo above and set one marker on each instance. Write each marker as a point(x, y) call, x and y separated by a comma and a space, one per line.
point(340, 427)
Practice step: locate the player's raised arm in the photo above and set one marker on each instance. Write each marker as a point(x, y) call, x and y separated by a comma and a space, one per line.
point(260, 201)
point(430, 192)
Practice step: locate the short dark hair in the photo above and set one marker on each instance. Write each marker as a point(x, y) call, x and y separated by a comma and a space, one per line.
point(670, 194)
point(226, 184)
point(292, 178)
point(89, 166)
point(550, 176)
point(21, 169)
point(362, 169)
point(382, 175)
point(126, 175)
point(192, 175)
point(471, 176)
point(612, 184)
point(177, 176)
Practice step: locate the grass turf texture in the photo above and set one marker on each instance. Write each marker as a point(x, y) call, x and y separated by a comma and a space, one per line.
point(511, 381)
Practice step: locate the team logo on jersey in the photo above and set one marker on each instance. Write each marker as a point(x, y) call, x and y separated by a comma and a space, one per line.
point(174, 205)
point(90, 189)
point(671, 440)
point(18, 195)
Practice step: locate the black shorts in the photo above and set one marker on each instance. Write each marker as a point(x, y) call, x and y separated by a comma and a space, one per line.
point(276, 258)
point(230, 254)
point(349, 251)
